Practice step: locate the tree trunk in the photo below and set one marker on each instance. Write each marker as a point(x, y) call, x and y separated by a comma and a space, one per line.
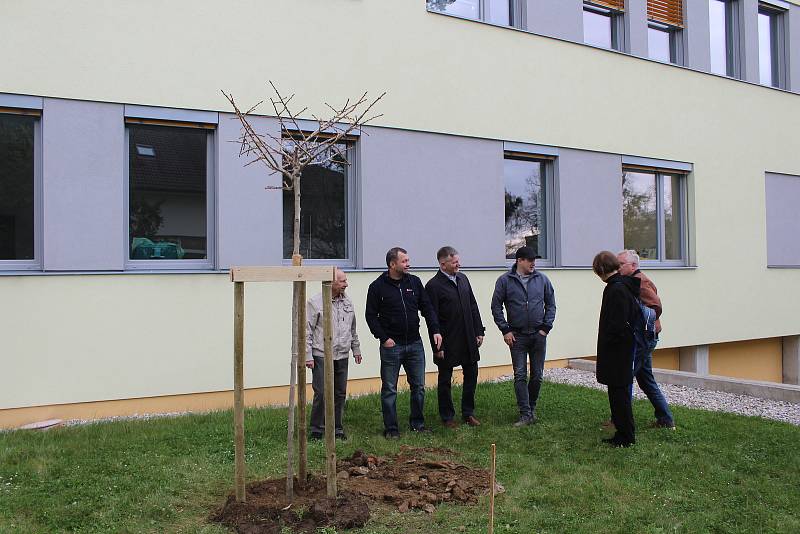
point(296, 304)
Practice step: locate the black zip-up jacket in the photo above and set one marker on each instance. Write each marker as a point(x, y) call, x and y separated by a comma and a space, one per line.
point(393, 308)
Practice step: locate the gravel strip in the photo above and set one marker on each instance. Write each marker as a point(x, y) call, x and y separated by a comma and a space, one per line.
point(703, 399)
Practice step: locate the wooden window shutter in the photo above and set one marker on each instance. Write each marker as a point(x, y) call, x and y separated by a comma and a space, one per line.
point(618, 5)
point(666, 11)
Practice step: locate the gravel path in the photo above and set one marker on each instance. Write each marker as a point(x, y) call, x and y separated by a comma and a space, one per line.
point(703, 399)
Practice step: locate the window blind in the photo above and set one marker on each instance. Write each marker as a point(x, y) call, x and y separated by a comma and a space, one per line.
point(666, 11)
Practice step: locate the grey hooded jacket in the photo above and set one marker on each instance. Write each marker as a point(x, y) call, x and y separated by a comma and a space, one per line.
point(529, 307)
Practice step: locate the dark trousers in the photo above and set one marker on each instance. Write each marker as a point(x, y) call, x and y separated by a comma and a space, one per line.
point(619, 398)
point(649, 386)
point(412, 358)
point(444, 391)
point(527, 393)
point(339, 393)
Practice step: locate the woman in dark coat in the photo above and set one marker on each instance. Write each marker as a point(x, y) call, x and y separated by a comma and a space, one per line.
point(462, 333)
point(615, 344)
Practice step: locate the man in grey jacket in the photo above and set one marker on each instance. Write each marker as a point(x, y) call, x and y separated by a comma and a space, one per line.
point(345, 339)
point(530, 307)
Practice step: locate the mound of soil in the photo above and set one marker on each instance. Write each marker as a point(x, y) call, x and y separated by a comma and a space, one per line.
point(416, 478)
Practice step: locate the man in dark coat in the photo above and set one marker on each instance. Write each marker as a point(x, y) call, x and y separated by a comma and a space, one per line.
point(462, 333)
point(615, 344)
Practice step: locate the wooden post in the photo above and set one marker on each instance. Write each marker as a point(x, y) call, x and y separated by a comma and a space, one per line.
point(492, 476)
point(238, 387)
point(330, 423)
point(302, 443)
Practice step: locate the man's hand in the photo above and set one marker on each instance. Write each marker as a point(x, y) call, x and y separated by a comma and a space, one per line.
point(310, 364)
point(437, 338)
point(439, 355)
point(479, 340)
point(389, 343)
point(357, 357)
point(542, 333)
point(509, 339)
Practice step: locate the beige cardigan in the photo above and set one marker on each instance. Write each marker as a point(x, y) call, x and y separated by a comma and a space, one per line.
point(345, 337)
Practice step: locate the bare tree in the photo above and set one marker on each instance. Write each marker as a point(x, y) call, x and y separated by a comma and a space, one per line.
point(288, 154)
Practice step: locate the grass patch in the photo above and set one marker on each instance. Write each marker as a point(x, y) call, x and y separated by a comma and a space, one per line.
point(716, 473)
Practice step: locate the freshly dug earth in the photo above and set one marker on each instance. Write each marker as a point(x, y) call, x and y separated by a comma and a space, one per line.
point(416, 478)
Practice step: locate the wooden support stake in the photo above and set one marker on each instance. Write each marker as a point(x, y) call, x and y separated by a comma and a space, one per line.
point(330, 423)
point(238, 387)
point(492, 488)
point(302, 443)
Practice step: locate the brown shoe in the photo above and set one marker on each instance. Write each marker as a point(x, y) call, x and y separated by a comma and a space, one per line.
point(450, 424)
point(608, 424)
point(472, 421)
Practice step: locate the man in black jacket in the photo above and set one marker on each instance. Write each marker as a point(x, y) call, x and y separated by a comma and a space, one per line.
point(462, 334)
point(394, 301)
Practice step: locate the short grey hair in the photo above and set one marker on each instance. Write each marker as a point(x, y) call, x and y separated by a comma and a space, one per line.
point(631, 255)
point(446, 252)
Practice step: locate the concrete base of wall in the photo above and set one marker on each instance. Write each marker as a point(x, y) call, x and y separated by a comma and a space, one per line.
point(791, 360)
point(753, 388)
point(694, 359)
point(215, 400)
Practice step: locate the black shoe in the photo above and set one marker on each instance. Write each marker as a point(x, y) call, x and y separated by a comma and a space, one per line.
point(391, 434)
point(315, 436)
point(341, 435)
point(525, 420)
point(422, 430)
point(617, 444)
point(669, 424)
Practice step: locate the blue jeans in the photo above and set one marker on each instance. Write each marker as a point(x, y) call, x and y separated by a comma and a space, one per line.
point(647, 383)
point(412, 358)
point(526, 392)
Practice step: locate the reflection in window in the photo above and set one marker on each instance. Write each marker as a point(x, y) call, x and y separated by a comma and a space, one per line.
point(324, 207)
point(723, 29)
point(652, 209)
point(168, 193)
point(597, 27)
point(663, 43)
point(16, 187)
point(494, 11)
point(526, 202)
point(771, 59)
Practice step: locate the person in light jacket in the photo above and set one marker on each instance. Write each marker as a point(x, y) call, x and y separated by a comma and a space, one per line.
point(345, 339)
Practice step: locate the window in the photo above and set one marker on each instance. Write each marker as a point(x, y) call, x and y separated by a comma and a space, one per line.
point(19, 193)
point(326, 201)
point(602, 24)
point(665, 30)
point(654, 215)
point(528, 215)
point(771, 49)
point(170, 207)
point(724, 35)
point(499, 12)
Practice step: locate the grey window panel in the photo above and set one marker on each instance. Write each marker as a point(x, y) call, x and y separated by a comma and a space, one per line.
point(777, 3)
point(83, 177)
point(783, 220)
point(589, 200)
point(793, 48)
point(697, 35)
point(171, 114)
point(421, 191)
point(657, 163)
point(20, 101)
point(561, 18)
point(249, 216)
point(748, 40)
point(541, 150)
point(635, 28)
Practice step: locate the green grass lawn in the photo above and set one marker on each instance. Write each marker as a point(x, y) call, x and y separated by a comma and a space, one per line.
point(716, 473)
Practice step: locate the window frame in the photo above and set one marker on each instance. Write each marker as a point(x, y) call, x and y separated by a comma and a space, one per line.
point(549, 162)
point(778, 47)
point(352, 194)
point(676, 56)
point(733, 38)
point(516, 13)
point(209, 262)
point(616, 24)
point(659, 174)
point(34, 264)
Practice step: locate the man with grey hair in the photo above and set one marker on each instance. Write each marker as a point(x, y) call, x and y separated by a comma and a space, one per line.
point(345, 339)
point(462, 333)
point(629, 266)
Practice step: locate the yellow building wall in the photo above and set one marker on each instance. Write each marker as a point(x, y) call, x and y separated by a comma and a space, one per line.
point(758, 359)
point(667, 359)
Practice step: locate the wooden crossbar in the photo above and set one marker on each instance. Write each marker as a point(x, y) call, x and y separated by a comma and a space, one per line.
point(303, 273)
